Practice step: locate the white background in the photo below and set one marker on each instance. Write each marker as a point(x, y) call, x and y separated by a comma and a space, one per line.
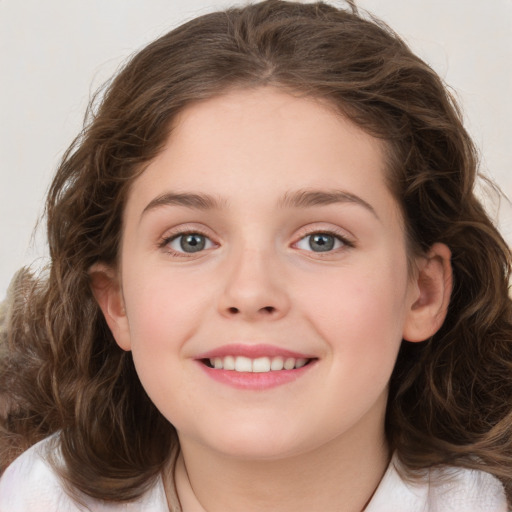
point(55, 53)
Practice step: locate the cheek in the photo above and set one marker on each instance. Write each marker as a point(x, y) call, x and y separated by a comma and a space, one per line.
point(163, 309)
point(163, 314)
point(360, 318)
point(360, 312)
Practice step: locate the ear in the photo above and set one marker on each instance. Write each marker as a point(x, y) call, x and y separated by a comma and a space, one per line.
point(432, 287)
point(108, 294)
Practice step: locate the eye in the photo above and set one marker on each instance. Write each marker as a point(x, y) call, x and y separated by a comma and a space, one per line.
point(321, 242)
point(190, 243)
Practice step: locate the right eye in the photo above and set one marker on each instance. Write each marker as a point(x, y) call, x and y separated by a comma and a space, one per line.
point(189, 243)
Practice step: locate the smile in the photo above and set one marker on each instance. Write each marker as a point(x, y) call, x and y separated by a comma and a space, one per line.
point(258, 365)
point(255, 367)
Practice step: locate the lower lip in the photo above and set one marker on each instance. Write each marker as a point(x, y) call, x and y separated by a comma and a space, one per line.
point(255, 381)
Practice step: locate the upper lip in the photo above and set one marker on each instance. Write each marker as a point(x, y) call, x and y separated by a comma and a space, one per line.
point(252, 351)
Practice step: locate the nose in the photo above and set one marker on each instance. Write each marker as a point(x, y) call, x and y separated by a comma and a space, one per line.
point(253, 288)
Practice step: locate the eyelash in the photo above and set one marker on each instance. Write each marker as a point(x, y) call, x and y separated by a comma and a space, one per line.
point(339, 236)
point(165, 242)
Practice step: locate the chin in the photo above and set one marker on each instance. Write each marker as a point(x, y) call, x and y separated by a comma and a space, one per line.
point(256, 441)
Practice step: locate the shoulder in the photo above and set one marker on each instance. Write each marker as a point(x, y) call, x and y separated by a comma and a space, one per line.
point(454, 489)
point(447, 489)
point(30, 484)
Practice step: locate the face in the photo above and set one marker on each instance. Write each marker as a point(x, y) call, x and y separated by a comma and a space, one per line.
point(263, 285)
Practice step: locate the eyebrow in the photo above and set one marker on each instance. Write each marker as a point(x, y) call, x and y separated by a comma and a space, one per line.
point(303, 198)
point(307, 198)
point(189, 200)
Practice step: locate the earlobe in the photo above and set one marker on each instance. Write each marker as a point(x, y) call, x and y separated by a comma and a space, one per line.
point(433, 287)
point(108, 294)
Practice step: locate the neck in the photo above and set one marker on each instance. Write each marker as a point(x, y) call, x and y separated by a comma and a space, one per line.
point(339, 475)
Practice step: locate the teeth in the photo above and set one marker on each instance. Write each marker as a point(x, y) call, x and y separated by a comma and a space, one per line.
point(261, 365)
point(289, 363)
point(300, 363)
point(228, 363)
point(258, 365)
point(277, 364)
point(243, 364)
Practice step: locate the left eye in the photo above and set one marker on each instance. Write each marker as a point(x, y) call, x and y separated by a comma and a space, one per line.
point(320, 242)
point(190, 243)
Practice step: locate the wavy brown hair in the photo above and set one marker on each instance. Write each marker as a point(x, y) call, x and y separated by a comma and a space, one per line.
point(450, 398)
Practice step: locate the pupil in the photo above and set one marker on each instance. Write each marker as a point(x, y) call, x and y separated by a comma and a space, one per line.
point(321, 242)
point(192, 242)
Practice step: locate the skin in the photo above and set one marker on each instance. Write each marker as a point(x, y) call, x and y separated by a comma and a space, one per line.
point(258, 280)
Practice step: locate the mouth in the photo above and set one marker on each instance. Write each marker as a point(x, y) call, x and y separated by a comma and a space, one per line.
point(255, 367)
point(264, 364)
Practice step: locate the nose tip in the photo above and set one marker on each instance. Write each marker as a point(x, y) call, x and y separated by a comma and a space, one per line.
point(252, 289)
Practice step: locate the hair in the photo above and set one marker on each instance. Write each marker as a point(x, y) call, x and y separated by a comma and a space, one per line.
point(61, 371)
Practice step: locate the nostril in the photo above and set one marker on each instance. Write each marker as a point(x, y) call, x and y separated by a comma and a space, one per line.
point(266, 310)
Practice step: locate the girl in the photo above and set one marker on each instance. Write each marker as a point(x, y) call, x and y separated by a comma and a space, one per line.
point(271, 287)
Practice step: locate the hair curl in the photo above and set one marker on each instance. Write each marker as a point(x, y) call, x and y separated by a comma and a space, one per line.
point(450, 397)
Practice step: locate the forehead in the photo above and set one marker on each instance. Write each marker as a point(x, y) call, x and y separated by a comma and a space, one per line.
point(268, 117)
point(259, 144)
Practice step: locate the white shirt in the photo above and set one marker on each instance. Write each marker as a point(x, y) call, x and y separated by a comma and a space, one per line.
point(30, 485)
